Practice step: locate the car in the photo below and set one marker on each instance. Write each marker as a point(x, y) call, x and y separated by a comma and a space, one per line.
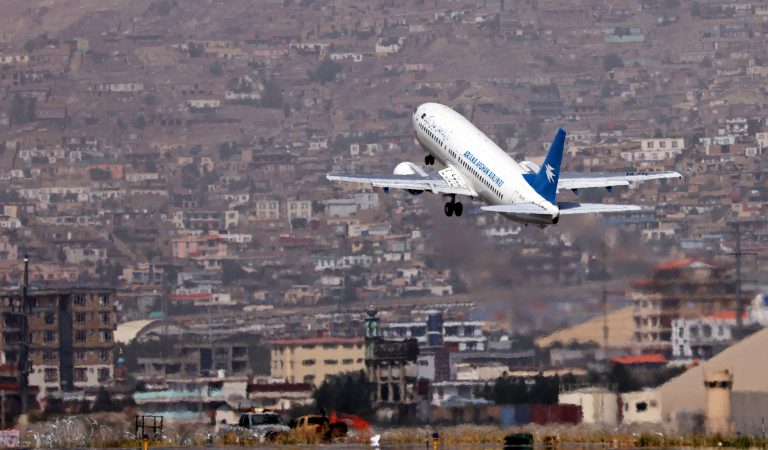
point(263, 425)
point(321, 425)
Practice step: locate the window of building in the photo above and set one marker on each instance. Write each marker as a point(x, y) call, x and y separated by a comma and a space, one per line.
point(309, 379)
point(674, 144)
point(308, 362)
point(80, 317)
point(104, 300)
point(81, 374)
point(331, 362)
point(51, 375)
point(50, 318)
point(80, 300)
point(103, 374)
point(80, 355)
point(105, 319)
point(49, 336)
point(347, 361)
point(80, 336)
point(105, 336)
point(49, 356)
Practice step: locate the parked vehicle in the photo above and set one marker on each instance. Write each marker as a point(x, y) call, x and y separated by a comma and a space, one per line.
point(264, 425)
point(323, 426)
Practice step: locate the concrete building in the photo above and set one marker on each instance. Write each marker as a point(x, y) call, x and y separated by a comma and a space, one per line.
point(267, 210)
point(197, 356)
point(684, 288)
point(598, 405)
point(71, 332)
point(641, 407)
point(460, 335)
point(301, 209)
point(655, 150)
point(702, 338)
point(311, 360)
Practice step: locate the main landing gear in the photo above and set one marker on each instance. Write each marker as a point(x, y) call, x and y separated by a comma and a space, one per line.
point(453, 207)
point(429, 160)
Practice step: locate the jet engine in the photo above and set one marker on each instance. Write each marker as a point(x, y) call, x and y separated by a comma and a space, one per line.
point(409, 168)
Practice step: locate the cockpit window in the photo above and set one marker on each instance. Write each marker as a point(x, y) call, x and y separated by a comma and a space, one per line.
point(424, 115)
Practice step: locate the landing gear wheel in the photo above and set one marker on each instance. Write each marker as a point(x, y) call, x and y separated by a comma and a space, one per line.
point(458, 208)
point(449, 209)
point(429, 160)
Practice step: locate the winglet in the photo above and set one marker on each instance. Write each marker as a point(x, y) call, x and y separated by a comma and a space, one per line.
point(545, 182)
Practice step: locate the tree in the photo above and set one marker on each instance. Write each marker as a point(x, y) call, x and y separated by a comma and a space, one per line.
point(16, 112)
point(216, 69)
point(533, 129)
point(695, 9)
point(139, 123)
point(150, 100)
point(104, 402)
point(272, 97)
point(326, 71)
point(349, 392)
point(231, 271)
point(100, 174)
point(22, 109)
point(228, 150)
point(612, 61)
point(508, 390)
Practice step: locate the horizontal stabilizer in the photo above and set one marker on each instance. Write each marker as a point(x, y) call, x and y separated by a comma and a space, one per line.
point(596, 179)
point(519, 208)
point(593, 208)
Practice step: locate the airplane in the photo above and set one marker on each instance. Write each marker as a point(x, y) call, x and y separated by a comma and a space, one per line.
point(477, 168)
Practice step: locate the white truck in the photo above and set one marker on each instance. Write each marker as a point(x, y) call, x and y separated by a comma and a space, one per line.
point(264, 426)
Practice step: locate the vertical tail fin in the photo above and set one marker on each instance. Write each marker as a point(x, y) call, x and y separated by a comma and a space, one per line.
point(545, 182)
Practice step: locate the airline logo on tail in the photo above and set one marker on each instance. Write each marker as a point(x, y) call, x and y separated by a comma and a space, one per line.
point(550, 173)
point(545, 181)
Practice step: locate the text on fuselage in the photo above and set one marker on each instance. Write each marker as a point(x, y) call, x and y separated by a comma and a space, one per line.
point(483, 168)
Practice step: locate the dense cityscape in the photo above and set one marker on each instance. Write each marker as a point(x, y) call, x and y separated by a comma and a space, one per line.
point(170, 246)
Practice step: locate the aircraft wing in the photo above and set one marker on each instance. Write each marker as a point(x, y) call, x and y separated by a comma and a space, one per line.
point(518, 208)
point(565, 208)
point(443, 182)
point(593, 208)
point(593, 180)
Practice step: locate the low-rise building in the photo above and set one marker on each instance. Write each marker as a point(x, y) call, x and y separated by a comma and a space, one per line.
point(311, 360)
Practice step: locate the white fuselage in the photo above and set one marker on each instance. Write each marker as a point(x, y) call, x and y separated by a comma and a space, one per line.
point(487, 169)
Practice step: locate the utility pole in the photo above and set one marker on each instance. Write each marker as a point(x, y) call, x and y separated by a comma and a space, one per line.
point(23, 362)
point(605, 308)
point(739, 300)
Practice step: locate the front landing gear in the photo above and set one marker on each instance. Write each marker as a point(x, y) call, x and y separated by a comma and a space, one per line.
point(429, 160)
point(453, 207)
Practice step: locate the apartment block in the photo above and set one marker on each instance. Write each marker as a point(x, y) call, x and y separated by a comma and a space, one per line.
point(71, 334)
point(680, 289)
point(312, 360)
